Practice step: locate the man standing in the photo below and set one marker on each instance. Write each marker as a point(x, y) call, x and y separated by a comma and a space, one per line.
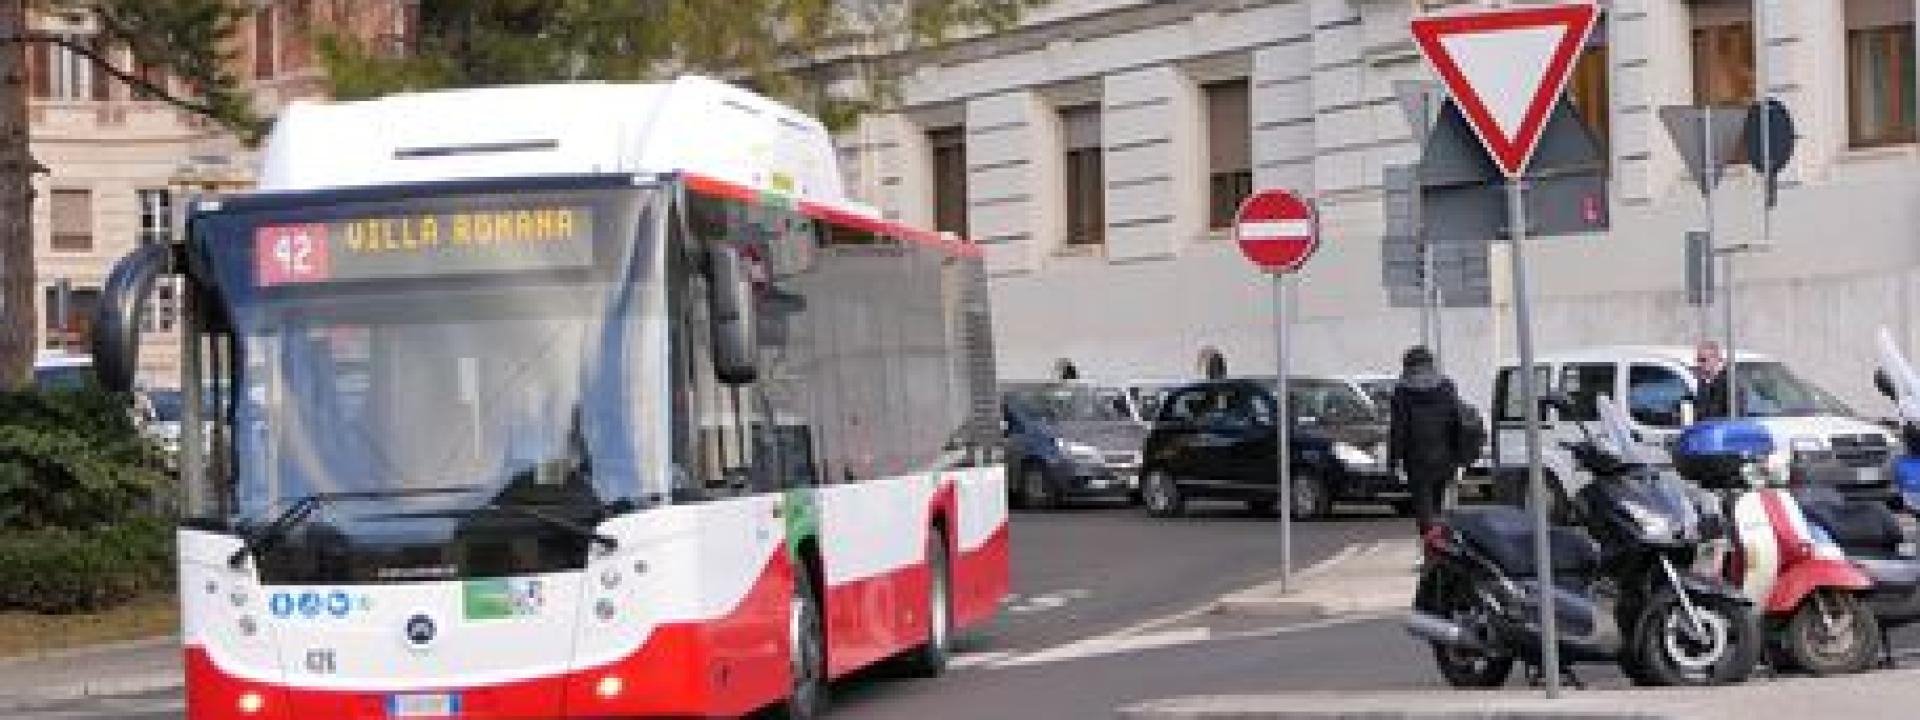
point(1709, 368)
point(1423, 433)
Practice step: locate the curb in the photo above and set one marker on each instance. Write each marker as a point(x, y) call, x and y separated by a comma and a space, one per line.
point(1265, 600)
point(133, 685)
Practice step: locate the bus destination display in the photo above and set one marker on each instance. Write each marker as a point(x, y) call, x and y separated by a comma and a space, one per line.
point(425, 245)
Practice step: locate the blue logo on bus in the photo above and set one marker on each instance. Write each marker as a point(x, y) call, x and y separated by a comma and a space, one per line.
point(281, 605)
point(310, 604)
point(338, 604)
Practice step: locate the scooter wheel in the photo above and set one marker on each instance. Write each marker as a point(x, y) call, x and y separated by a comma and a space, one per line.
point(1670, 652)
point(1447, 595)
point(1831, 633)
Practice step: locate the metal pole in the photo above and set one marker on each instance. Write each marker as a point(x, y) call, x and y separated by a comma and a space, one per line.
point(1281, 420)
point(1710, 158)
point(1523, 329)
point(1427, 289)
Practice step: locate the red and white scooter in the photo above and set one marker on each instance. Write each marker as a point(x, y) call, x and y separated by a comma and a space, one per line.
point(1808, 593)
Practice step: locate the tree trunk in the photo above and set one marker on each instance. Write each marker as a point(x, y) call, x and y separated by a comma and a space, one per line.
point(17, 315)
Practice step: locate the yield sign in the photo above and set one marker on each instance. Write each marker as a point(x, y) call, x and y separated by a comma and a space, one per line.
point(1505, 69)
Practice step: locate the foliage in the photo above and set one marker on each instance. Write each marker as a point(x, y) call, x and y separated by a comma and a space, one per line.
point(73, 460)
point(65, 571)
point(830, 57)
point(188, 39)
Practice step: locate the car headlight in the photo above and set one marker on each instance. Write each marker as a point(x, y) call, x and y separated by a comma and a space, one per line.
point(1808, 443)
point(1350, 454)
point(1081, 451)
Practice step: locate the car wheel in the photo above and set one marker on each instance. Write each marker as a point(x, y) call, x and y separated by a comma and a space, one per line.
point(1162, 495)
point(1310, 497)
point(1036, 490)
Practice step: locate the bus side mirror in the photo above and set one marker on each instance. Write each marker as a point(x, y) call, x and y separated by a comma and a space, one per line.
point(1884, 383)
point(116, 335)
point(736, 342)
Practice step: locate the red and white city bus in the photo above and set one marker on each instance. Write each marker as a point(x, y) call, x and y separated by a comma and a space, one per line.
point(568, 401)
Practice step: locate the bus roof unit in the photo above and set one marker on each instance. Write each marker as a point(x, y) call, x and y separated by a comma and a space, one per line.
point(694, 124)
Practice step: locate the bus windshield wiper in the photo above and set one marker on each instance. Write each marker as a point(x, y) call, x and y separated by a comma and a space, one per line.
point(606, 542)
point(270, 534)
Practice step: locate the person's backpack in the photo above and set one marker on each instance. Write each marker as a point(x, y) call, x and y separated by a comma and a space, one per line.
point(1469, 433)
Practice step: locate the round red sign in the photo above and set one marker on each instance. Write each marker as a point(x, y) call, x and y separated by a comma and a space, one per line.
point(1276, 230)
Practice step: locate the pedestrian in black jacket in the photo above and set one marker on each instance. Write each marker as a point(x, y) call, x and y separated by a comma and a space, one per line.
point(1423, 433)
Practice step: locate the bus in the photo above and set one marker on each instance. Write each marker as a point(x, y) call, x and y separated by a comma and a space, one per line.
point(589, 400)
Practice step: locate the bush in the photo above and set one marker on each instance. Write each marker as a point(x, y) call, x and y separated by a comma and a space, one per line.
point(73, 460)
point(63, 571)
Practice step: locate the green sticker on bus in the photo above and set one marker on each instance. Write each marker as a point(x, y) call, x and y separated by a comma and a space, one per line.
point(502, 598)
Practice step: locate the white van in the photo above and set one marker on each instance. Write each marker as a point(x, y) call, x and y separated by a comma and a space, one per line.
point(1821, 440)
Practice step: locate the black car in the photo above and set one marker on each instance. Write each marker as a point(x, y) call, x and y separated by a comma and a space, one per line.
point(1069, 440)
point(1215, 440)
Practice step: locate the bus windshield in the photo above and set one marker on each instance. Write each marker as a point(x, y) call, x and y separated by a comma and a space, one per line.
point(463, 342)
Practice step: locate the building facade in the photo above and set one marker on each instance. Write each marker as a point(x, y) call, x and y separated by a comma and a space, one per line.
point(1098, 149)
point(118, 163)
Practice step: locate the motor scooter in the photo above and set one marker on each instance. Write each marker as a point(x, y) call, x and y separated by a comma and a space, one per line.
point(1869, 532)
point(1810, 594)
point(1619, 587)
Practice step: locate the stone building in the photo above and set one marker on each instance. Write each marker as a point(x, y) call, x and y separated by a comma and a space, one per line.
point(1098, 148)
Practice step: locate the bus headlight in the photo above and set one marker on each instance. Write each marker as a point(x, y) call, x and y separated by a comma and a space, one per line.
point(252, 703)
point(609, 687)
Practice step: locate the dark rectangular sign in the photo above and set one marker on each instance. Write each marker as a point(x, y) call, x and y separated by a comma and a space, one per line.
point(425, 245)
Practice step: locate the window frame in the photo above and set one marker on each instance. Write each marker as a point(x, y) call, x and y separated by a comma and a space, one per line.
point(1903, 127)
point(1229, 180)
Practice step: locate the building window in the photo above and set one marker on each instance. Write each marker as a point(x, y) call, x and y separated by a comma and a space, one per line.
point(949, 148)
point(161, 314)
point(1086, 177)
point(71, 327)
point(1229, 150)
point(1588, 89)
point(264, 47)
point(1880, 73)
point(71, 218)
point(58, 73)
point(156, 216)
point(1723, 63)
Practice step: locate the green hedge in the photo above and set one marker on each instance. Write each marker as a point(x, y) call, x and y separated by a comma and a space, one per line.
point(79, 491)
point(66, 571)
point(74, 460)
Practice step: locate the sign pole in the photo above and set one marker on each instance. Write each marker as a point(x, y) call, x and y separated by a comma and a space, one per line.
point(1711, 168)
point(1282, 419)
point(1529, 384)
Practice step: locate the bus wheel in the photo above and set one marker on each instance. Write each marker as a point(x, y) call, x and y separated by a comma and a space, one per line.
point(807, 697)
point(930, 659)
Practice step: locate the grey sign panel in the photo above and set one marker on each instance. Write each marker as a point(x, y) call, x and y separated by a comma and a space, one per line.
point(1463, 195)
point(1401, 189)
point(1688, 126)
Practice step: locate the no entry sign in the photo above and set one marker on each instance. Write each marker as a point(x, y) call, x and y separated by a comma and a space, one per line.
point(1276, 230)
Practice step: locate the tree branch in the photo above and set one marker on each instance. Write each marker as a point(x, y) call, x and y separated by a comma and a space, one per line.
point(249, 127)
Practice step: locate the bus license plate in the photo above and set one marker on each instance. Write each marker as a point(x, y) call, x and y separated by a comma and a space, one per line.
point(1866, 475)
point(423, 705)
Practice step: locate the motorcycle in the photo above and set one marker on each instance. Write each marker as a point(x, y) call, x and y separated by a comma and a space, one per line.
point(1811, 596)
point(1619, 591)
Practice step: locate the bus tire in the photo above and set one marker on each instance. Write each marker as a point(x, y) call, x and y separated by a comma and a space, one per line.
point(930, 658)
point(807, 648)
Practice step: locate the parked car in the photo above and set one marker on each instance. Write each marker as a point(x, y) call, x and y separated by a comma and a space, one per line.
point(1215, 440)
point(63, 371)
point(159, 412)
point(1819, 439)
point(1067, 441)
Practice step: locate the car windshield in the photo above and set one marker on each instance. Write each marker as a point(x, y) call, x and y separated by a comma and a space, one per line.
point(525, 367)
point(1071, 403)
point(1768, 389)
point(1380, 392)
point(1328, 401)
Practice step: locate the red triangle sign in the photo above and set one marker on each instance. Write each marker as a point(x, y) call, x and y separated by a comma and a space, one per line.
point(1505, 69)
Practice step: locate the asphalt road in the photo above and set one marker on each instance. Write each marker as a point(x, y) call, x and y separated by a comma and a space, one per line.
point(1078, 574)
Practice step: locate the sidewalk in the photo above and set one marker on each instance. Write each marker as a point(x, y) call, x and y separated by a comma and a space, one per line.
point(139, 666)
point(1884, 694)
point(1368, 579)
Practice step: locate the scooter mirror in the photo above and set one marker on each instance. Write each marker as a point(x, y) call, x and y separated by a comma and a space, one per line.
point(1884, 383)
